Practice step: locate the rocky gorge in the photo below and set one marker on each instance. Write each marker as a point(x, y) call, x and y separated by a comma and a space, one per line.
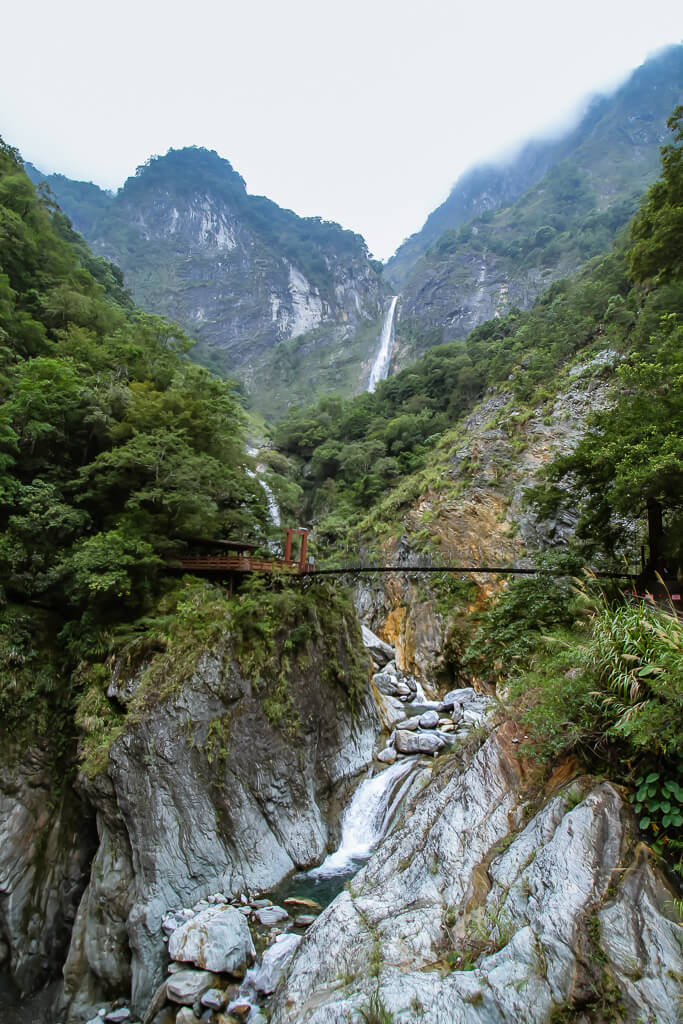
point(485, 898)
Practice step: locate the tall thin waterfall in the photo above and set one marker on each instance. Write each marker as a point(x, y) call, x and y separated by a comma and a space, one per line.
point(380, 367)
point(273, 507)
point(368, 817)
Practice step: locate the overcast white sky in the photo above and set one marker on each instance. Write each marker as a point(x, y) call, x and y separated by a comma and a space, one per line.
point(360, 111)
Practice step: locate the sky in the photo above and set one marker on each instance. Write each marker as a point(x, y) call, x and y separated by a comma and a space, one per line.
point(363, 111)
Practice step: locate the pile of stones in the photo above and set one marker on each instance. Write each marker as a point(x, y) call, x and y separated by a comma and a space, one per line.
point(418, 725)
point(213, 974)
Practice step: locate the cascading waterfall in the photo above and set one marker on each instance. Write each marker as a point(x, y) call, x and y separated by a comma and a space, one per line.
point(380, 367)
point(273, 507)
point(368, 817)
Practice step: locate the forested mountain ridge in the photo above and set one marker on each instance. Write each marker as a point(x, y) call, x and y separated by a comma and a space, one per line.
point(368, 458)
point(237, 271)
point(506, 232)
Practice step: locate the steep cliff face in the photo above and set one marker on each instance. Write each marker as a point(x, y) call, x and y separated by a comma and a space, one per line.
point(225, 786)
point(472, 511)
point(506, 233)
point(46, 843)
point(238, 272)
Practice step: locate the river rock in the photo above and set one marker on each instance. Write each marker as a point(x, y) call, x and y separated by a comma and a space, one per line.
point(429, 720)
point(387, 756)
point(217, 939)
point(188, 986)
point(271, 915)
point(411, 724)
point(185, 1016)
point(302, 901)
point(118, 1016)
point(239, 1011)
point(304, 920)
point(214, 999)
point(417, 743)
point(381, 652)
point(391, 685)
point(275, 959)
point(260, 904)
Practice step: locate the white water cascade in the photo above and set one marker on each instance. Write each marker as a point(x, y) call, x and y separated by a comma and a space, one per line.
point(380, 367)
point(368, 817)
point(273, 507)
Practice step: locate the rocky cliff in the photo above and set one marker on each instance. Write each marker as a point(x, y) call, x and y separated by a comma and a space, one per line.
point(466, 914)
point(220, 777)
point(240, 274)
point(505, 233)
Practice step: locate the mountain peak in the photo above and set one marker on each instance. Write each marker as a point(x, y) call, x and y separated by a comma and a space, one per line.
point(185, 170)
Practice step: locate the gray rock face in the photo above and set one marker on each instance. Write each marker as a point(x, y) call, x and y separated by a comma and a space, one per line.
point(97, 967)
point(254, 817)
point(542, 920)
point(381, 652)
point(46, 839)
point(217, 939)
point(274, 962)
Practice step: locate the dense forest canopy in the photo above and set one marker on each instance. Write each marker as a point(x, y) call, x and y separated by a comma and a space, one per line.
point(114, 447)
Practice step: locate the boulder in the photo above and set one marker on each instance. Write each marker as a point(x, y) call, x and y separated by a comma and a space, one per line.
point(387, 756)
point(410, 724)
point(429, 720)
point(186, 987)
point(217, 939)
point(418, 743)
point(118, 1016)
point(391, 685)
point(271, 915)
point(275, 959)
point(240, 1011)
point(302, 901)
point(381, 652)
point(185, 1016)
point(214, 999)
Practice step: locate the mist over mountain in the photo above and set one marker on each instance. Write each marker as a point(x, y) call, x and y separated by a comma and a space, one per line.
point(294, 306)
point(507, 231)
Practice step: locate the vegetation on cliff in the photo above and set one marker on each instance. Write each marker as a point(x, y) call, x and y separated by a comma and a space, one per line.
point(587, 674)
point(113, 448)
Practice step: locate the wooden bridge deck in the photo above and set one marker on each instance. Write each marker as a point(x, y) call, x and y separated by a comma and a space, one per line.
point(235, 563)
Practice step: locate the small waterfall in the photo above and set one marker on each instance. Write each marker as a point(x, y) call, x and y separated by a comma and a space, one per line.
point(380, 367)
point(368, 817)
point(273, 507)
